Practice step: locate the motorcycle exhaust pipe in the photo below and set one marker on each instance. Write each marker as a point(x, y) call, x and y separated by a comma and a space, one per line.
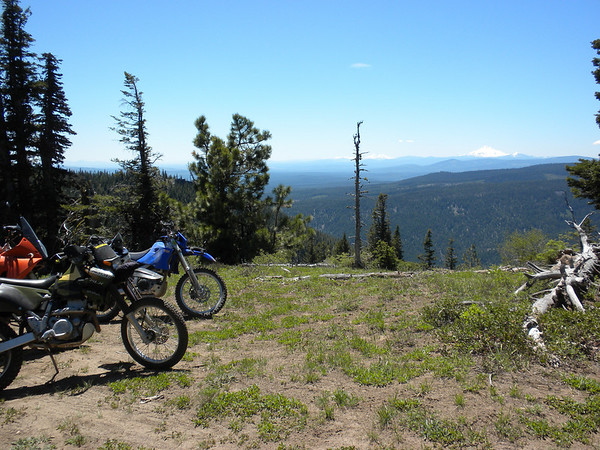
point(20, 341)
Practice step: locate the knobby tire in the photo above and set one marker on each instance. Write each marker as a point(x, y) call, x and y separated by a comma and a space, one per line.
point(166, 328)
point(205, 303)
point(10, 361)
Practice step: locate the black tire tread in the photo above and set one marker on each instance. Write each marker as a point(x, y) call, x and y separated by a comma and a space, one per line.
point(207, 314)
point(181, 330)
point(16, 359)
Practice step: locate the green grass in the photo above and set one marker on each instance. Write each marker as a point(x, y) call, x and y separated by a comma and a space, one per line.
point(415, 358)
point(471, 323)
point(149, 385)
point(278, 414)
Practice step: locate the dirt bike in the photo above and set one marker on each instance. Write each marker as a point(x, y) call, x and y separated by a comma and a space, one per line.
point(200, 292)
point(60, 312)
point(21, 251)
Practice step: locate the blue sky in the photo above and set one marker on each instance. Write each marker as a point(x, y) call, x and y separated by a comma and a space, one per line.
point(427, 78)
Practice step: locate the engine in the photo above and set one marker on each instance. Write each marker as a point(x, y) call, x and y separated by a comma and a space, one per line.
point(149, 287)
point(68, 326)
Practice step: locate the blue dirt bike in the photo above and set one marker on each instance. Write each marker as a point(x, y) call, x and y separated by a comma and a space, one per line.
point(200, 292)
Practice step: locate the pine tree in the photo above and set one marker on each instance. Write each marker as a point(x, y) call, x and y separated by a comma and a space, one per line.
point(585, 175)
point(53, 141)
point(142, 208)
point(342, 246)
point(470, 257)
point(230, 178)
point(280, 201)
point(380, 227)
point(428, 257)
point(450, 258)
point(397, 243)
point(18, 92)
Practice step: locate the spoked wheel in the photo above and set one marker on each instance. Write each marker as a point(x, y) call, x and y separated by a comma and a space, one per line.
point(11, 360)
point(162, 340)
point(108, 314)
point(205, 301)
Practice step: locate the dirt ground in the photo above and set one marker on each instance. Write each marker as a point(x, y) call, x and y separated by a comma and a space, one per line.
point(79, 409)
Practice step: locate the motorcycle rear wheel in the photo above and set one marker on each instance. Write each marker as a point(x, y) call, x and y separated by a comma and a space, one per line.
point(205, 302)
point(10, 361)
point(165, 330)
point(108, 314)
point(111, 309)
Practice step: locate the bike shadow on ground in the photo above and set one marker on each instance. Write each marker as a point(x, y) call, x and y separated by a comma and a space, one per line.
point(75, 385)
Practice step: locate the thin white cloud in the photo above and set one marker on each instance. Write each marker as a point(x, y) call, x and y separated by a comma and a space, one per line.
point(360, 66)
point(597, 142)
point(406, 141)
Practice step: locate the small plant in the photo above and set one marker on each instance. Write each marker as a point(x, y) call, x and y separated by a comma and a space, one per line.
point(113, 444)
point(343, 399)
point(385, 415)
point(12, 414)
point(30, 443)
point(506, 429)
point(424, 388)
point(515, 392)
point(183, 402)
point(459, 400)
point(72, 431)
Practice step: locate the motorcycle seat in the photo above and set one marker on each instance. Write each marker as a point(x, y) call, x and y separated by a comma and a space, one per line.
point(44, 283)
point(137, 255)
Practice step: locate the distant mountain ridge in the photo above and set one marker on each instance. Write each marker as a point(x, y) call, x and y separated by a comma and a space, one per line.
point(477, 207)
point(337, 172)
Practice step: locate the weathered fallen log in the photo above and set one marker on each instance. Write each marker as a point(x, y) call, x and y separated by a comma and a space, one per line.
point(574, 274)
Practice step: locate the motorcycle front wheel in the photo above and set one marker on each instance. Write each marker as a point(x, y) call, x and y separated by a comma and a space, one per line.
point(11, 360)
point(163, 338)
point(203, 302)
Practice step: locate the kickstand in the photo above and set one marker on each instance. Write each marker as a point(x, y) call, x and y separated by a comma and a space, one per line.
point(55, 366)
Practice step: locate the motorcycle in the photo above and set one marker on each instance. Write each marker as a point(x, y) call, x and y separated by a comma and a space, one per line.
point(200, 292)
point(21, 251)
point(59, 312)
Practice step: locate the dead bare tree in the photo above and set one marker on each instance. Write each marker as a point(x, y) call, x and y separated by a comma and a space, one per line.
point(573, 275)
point(358, 193)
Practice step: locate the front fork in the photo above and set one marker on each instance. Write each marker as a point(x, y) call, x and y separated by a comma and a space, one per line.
point(132, 293)
point(188, 269)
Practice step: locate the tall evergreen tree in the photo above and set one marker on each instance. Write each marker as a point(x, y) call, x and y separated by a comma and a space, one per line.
point(585, 175)
point(230, 178)
point(54, 131)
point(397, 243)
point(380, 227)
point(470, 257)
point(18, 92)
point(428, 257)
point(450, 259)
point(280, 201)
point(342, 246)
point(142, 208)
